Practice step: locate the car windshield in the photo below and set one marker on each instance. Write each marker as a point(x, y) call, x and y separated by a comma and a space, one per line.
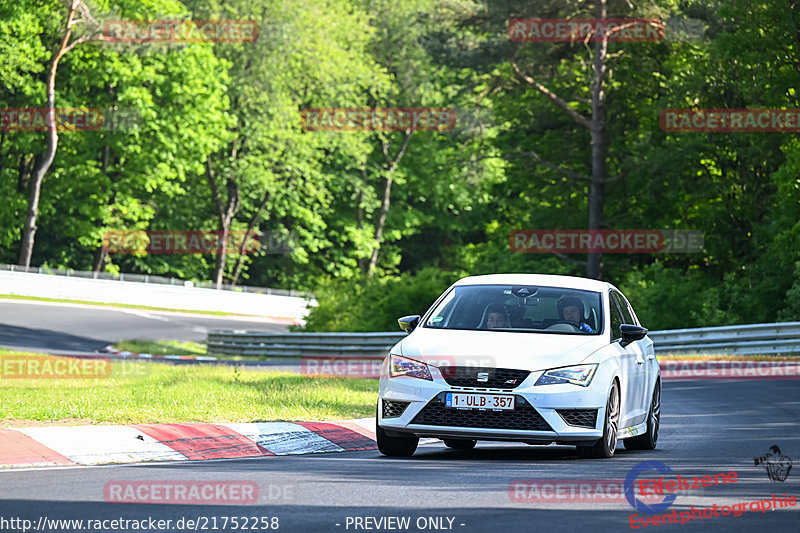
point(523, 308)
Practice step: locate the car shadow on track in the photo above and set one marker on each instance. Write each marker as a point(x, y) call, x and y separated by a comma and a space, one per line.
point(20, 338)
point(494, 452)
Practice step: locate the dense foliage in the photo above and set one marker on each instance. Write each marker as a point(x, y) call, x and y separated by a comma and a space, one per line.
point(219, 143)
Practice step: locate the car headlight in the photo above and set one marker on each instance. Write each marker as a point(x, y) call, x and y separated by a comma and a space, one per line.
point(577, 375)
point(403, 366)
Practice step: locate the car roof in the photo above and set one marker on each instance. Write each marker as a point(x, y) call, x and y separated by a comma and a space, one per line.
point(544, 280)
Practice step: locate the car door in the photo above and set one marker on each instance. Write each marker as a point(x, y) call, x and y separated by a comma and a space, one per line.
point(636, 402)
point(647, 352)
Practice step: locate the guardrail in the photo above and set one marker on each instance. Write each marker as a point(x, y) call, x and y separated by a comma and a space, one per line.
point(149, 278)
point(778, 338)
point(367, 345)
point(751, 339)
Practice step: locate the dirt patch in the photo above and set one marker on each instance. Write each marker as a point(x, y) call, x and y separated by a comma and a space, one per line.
point(13, 423)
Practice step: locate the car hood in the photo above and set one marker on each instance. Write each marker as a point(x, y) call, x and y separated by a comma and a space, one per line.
point(525, 351)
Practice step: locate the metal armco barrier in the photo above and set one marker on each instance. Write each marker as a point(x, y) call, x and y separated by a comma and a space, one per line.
point(778, 338)
point(365, 345)
point(751, 339)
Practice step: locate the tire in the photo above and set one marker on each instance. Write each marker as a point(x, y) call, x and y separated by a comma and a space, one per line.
point(394, 446)
point(647, 440)
point(604, 447)
point(460, 444)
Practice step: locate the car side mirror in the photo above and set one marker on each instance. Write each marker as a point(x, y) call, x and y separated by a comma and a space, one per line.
point(631, 333)
point(408, 323)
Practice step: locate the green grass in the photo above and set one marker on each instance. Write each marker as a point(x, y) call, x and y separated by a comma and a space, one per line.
point(163, 347)
point(168, 347)
point(142, 392)
point(106, 304)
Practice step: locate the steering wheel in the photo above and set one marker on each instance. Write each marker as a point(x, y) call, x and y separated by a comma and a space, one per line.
point(563, 323)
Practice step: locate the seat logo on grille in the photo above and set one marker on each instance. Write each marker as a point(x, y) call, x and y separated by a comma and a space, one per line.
point(511, 382)
point(483, 377)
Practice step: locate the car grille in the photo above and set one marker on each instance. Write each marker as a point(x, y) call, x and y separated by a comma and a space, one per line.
point(393, 409)
point(586, 418)
point(523, 417)
point(467, 376)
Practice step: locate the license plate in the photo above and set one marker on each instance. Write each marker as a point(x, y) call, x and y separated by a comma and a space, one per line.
point(460, 400)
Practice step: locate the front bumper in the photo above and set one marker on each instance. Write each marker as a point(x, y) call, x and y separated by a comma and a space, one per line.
point(541, 413)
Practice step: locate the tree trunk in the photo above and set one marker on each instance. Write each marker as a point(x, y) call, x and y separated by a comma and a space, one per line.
point(25, 170)
point(237, 268)
point(360, 209)
point(594, 266)
point(101, 252)
point(35, 186)
point(29, 228)
point(99, 259)
point(222, 251)
point(596, 125)
point(391, 165)
point(227, 211)
point(379, 225)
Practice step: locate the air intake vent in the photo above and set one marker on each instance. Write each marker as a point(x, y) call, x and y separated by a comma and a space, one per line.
point(393, 409)
point(585, 418)
point(495, 378)
point(523, 417)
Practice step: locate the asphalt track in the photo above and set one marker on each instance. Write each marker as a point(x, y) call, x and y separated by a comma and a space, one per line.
point(708, 427)
point(71, 329)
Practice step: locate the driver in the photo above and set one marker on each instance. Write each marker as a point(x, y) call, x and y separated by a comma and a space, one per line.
point(570, 308)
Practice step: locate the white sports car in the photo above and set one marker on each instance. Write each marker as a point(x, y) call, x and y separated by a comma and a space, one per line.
point(522, 357)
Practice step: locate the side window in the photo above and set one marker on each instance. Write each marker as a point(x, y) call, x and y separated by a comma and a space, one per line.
point(616, 317)
point(628, 305)
point(627, 317)
point(442, 311)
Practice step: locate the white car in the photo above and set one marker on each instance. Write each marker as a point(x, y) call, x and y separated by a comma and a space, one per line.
point(522, 357)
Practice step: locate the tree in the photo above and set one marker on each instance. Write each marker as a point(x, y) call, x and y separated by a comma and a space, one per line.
point(74, 7)
point(296, 63)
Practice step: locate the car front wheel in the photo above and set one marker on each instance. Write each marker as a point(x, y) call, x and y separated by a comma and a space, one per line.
point(605, 446)
point(394, 446)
